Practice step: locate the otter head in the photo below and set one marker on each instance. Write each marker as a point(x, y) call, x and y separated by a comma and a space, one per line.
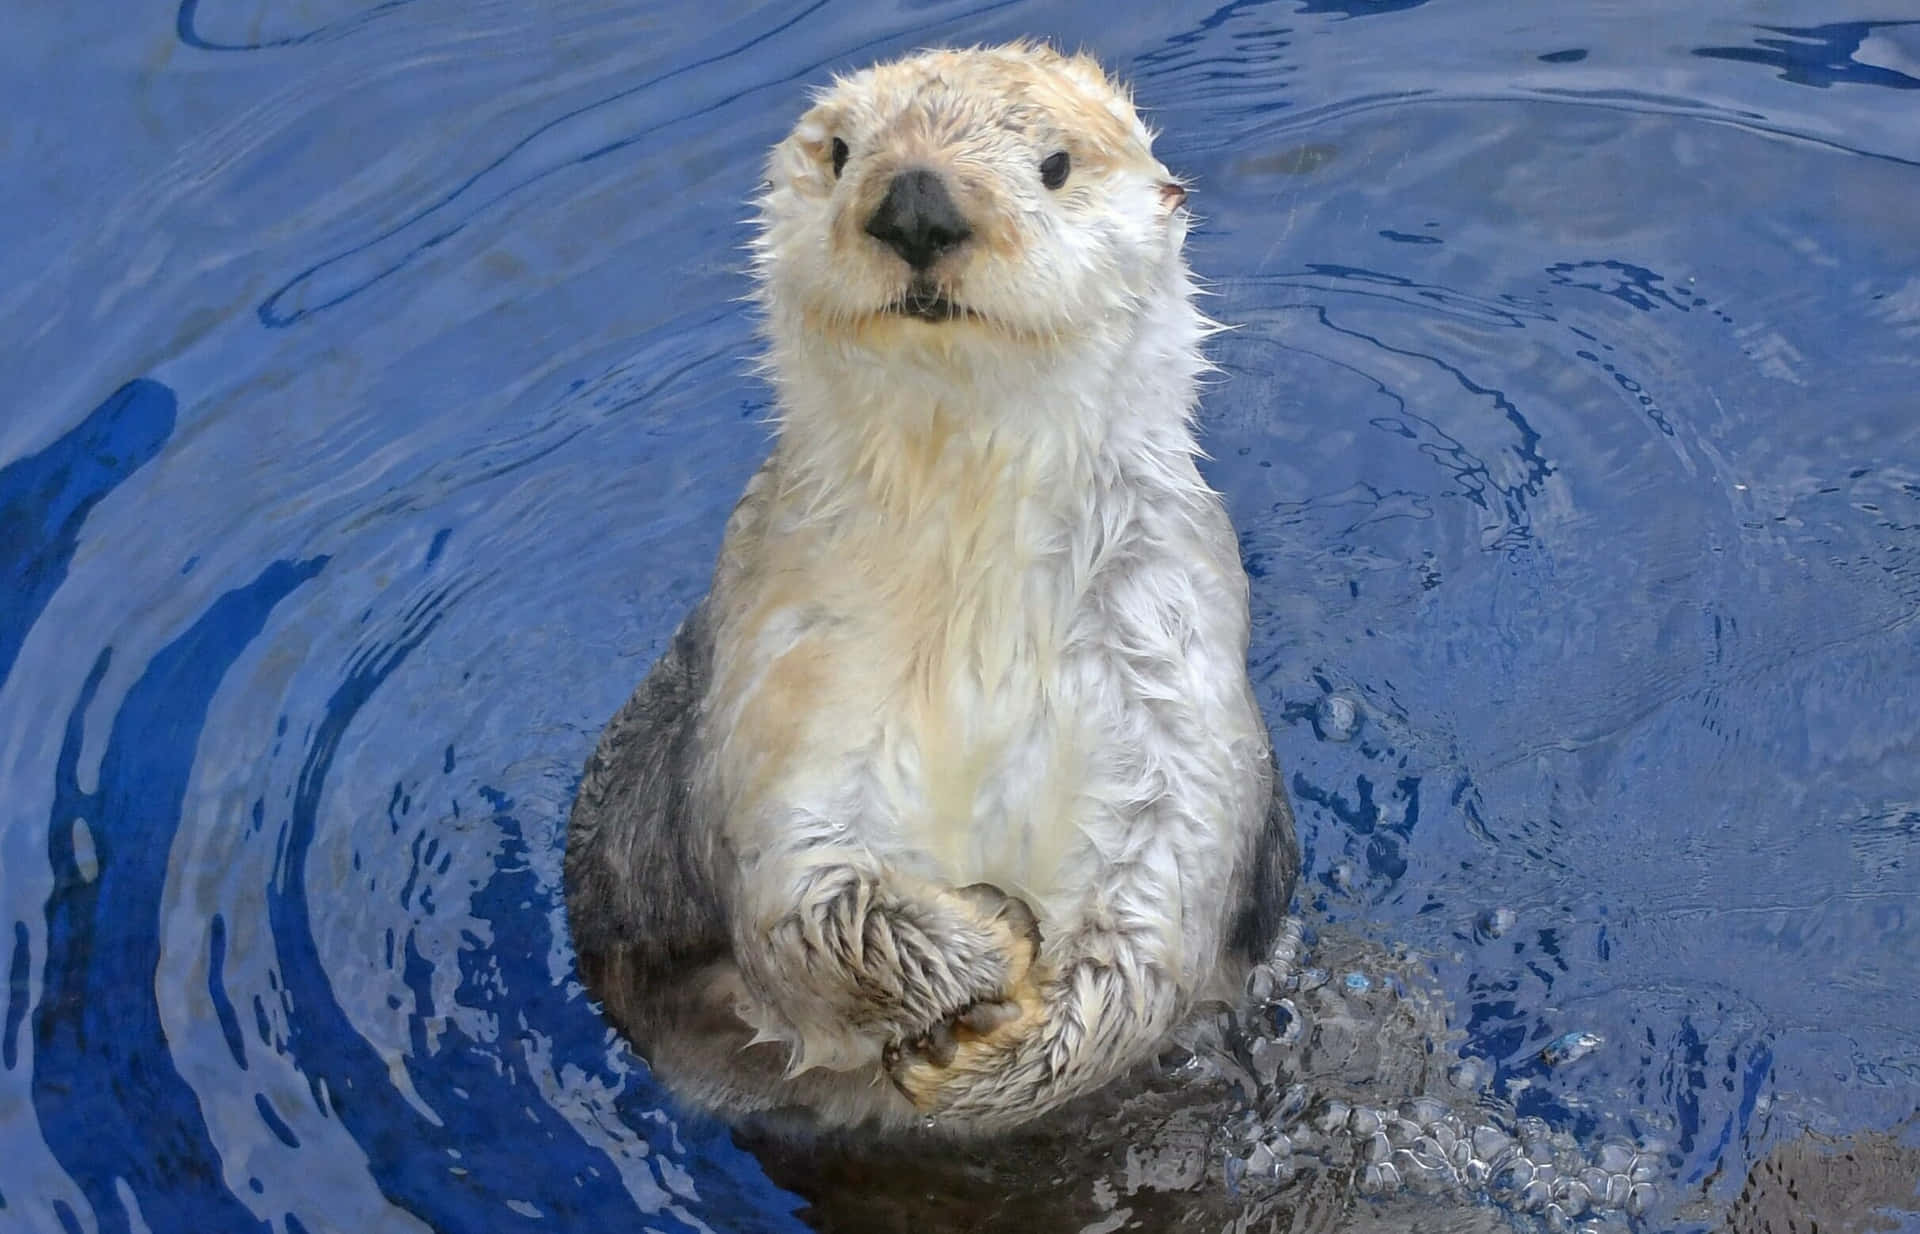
point(968, 197)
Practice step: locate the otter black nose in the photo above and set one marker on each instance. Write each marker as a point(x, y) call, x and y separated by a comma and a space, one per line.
point(918, 219)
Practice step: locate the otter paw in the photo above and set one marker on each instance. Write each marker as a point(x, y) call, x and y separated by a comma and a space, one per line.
point(973, 1040)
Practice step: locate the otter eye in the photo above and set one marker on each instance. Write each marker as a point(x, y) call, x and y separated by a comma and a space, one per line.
point(839, 157)
point(1054, 169)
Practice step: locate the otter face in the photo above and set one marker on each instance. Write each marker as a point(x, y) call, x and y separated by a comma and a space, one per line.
point(1008, 190)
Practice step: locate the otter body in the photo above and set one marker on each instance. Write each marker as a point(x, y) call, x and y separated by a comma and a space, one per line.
point(952, 796)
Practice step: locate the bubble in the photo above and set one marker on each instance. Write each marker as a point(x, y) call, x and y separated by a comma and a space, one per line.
point(1339, 717)
point(1470, 1074)
point(1515, 1175)
point(1287, 1023)
point(1292, 1104)
point(1614, 1158)
point(1571, 1048)
point(86, 860)
point(1497, 921)
point(1358, 983)
point(1267, 1055)
point(1492, 1145)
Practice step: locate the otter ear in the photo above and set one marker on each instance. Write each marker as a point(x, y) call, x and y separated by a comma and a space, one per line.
point(1172, 196)
point(802, 159)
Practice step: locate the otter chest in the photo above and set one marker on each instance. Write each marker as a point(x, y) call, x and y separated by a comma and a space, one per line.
point(950, 697)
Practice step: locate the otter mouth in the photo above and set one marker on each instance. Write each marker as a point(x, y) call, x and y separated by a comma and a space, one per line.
point(924, 303)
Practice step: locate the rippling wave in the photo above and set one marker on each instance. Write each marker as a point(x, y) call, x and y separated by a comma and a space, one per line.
point(378, 385)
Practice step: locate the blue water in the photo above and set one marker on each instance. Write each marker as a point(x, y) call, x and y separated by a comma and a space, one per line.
point(373, 388)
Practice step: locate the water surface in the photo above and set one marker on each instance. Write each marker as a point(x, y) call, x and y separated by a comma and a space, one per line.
point(375, 388)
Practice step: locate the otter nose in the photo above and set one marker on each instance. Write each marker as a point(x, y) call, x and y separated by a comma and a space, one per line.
point(917, 219)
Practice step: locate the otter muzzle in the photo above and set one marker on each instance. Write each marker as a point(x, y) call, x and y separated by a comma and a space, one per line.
point(918, 219)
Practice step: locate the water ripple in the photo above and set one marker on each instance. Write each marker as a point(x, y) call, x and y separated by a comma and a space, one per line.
point(1567, 424)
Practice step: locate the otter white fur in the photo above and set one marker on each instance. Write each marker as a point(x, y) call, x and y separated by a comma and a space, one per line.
point(955, 778)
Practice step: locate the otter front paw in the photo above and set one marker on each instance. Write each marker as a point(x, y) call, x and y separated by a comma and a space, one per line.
point(975, 1039)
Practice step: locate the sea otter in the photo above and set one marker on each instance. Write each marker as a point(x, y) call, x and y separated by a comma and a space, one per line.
point(951, 797)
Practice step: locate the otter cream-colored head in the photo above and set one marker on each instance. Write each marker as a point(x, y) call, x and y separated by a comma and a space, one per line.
point(958, 201)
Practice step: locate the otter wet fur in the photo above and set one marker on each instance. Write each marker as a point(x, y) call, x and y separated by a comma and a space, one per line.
point(952, 797)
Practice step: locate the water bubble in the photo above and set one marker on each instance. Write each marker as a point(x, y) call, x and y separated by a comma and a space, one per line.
point(1534, 1196)
point(1262, 984)
point(1572, 1195)
point(1339, 717)
point(1286, 944)
point(1267, 1055)
point(1379, 1148)
point(1423, 1170)
point(86, 860)
point(1364, 1122)
point(1313, 979)
point(1497, 921)
point(1492, 1145)
point(1292, 1104)
point(1639, 1199)
point(1358, 983)
point(1470, 1074)
point(1335, 1117)
point(1570, 1048)
point(1287, 1024)
point(1514, 1175)
point(1614, 1158)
